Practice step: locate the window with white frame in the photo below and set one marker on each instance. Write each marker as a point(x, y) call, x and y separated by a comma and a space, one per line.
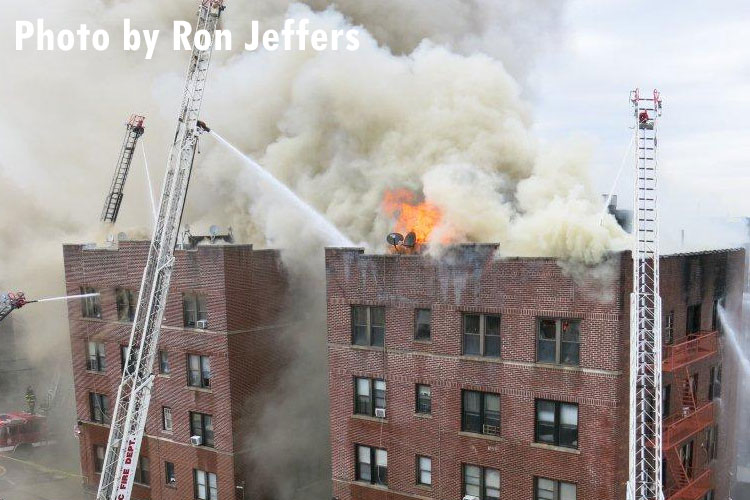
point(424, 471)
point(369, 396)
point(204, 484)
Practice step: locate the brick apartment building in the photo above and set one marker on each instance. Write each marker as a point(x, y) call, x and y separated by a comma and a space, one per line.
point(509, 379)
point(216, 349)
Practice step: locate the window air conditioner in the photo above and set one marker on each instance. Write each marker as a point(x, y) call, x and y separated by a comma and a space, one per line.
point(172, 480)
point(202, 323)
point(196, 440)
point(380, 412)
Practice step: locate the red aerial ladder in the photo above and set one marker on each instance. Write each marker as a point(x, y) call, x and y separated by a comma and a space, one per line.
point(134, 130)
point(134, 392)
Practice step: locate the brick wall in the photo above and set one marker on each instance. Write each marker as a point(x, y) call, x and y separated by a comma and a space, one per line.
point(469, 279)
point(244, 291)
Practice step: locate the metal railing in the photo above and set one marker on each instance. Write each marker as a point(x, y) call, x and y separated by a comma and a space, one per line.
point(689, 350)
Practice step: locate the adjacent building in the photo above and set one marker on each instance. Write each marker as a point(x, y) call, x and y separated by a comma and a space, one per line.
point(218, 347)
point(483, 378)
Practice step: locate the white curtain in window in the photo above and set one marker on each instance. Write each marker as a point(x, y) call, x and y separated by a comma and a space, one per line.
point(363, 387)
point(569, 415)
point(567, 491)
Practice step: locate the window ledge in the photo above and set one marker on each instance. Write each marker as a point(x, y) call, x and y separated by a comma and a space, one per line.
point(96, 372)
point(142, 485)
point(559, 366)
point(199, 389)
point(475, 357)
point(552, 447)
point(489, 437)
point(423, 487)
point(94, 320)
point(164, 375)
point(371, 485)
point(367, 347)
point(423, 415)
point(422, 341)
point(369, 418)
point(171, 486)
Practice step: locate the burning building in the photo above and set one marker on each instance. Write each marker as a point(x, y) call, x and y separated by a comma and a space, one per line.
point(466, 376)
point(218, 347)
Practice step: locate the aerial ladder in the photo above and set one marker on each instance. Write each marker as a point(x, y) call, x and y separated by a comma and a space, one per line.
point(134, 392)
point(645, 457)
point(134, 131)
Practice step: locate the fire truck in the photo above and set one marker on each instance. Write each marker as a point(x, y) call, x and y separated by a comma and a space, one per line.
point(22, 431)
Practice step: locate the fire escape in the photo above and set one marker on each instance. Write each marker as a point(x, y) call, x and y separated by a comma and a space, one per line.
point(691, 418)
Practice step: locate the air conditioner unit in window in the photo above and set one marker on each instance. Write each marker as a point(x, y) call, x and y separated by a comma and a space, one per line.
point(172, 480)
point(196, 440)
point(201, 323)
point(470, 497)
point(380, 412)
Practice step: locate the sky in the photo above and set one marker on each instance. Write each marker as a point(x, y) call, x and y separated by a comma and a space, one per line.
point(696, 54)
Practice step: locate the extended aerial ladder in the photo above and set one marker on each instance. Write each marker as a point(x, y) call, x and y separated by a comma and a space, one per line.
point(134, 392)
point(645, 457)
point(134, 130)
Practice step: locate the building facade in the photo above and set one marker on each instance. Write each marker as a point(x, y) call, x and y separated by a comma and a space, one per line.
point(471, 376)
point(217, 348)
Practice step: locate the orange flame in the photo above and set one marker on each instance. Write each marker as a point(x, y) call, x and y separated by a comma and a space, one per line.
point(410, 214)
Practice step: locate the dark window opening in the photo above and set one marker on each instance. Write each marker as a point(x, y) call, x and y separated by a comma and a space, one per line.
point(202, 425)
point(558, 341)
point(99, 452)
point(550, 489)
point(164, 368)
point(693, 319)
point(99, 408)
point(143, 471)
point(368, 326)
point(480, 412)
point(424, 399)
point(90, 306)
point(372, 465)
point(194, 310)
point(169, 475)
point(481, 335)
point(126, 304)
point(557, 423)
point(423, 319)
point(481, 482)
point(369, 396)
point(97, 359)
point(199, 371)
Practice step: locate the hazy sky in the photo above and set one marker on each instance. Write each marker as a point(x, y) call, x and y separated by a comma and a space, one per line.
point(696, 53)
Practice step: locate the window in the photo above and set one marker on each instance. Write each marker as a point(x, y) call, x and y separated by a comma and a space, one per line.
point(372, 465)
point(557, 423)
point(424, 399)
point(90, 306)
point(481, 335)
point(199, 371)
point(99, 406)
point(712, 436)
point(423, 321)
point(193, 309)
point(549, 489)
point(124, 350)
point(204, 484)
point(693, 319)
point(424, 471)
point(368, 326)
point(99, 452)
point(166, 418)
point(126, 304)
point(666, 397)
point(669, 328)
point(143, 471)
point(369, 396)
point(164, 363)
point(709, 495)
point(481, 482)
point(480, 412)
point(686, 457)
point(169, 475)
point(97, 360)
point(202, 425)
point(558, 341)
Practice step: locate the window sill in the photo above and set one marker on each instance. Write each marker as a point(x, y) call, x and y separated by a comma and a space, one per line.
point(422, 341)
point(423, 415)
point(475, 357)
point(489, 437)
point(559, 366)
point(369, 418)
point(95, 320)
point(165, 431)
point(371, 485)
point(423, 487)
point(142, 485)
point(199, 389)
point(552, 447)
point(96, 372)
point(367, 347)
point(164, 375)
